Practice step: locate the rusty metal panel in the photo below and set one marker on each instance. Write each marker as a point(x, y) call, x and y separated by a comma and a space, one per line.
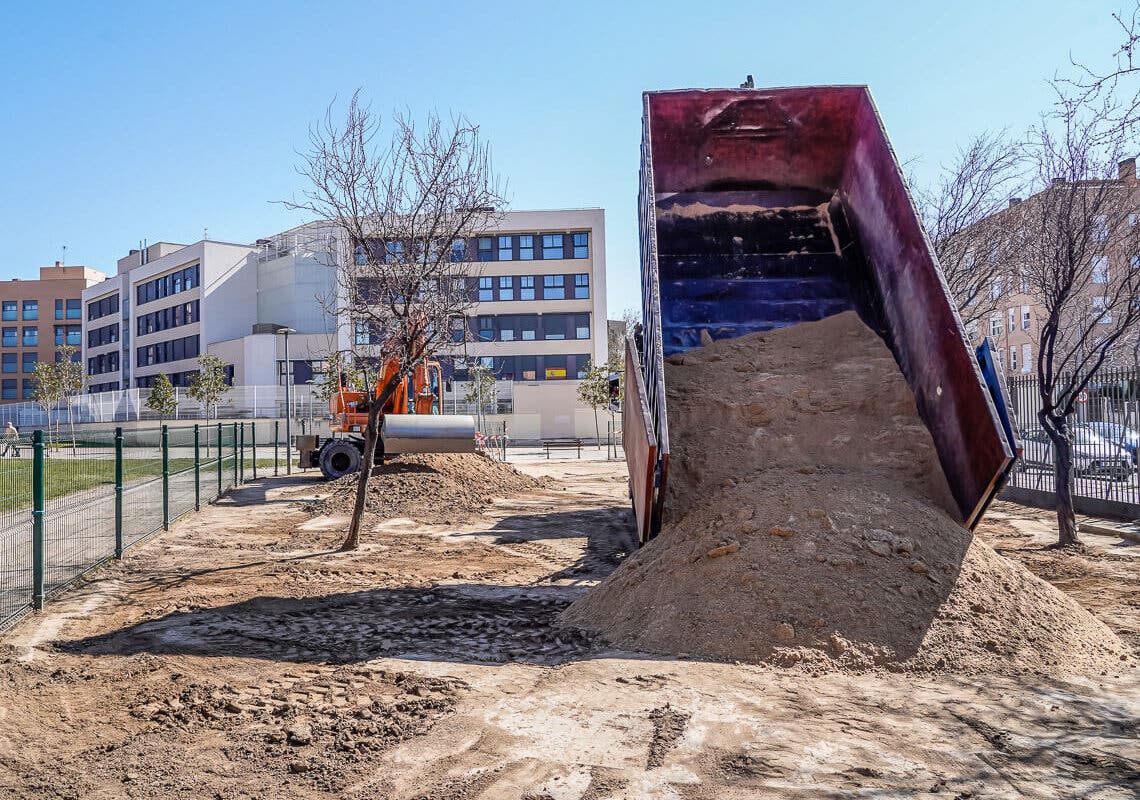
point(926, 333)
point(639, 443)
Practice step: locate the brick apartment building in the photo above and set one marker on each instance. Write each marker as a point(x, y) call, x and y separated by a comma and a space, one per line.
point(36, 316)
point(1013, 327)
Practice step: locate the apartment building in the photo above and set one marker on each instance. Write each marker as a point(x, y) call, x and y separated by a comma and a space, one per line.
point(1013, 327)
point(166, 303)
point(36, 316)
point(540, 297)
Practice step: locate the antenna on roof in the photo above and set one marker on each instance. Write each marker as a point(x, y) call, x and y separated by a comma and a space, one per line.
point(63, 259)
point(205, 233)
point(748, 83)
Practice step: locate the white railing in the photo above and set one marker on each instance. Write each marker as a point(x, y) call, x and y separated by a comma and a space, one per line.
point(128, 405)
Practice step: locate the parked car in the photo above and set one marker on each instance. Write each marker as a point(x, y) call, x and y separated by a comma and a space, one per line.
point(1093, 455)
point(1119, 434)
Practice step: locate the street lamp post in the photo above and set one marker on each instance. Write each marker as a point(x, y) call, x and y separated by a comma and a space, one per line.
point(288, 406)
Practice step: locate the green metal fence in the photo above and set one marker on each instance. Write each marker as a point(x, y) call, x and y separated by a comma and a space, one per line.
point(69, 503)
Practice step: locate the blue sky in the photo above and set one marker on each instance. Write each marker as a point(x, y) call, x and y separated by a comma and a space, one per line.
point(124, 121)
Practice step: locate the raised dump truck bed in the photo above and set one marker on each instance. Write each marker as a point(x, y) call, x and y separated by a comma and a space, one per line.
point(761, 208)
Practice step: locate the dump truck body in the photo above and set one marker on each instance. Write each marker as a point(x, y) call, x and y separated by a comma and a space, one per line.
point(761, 208)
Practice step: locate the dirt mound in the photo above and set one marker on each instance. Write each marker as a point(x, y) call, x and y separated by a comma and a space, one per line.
point(808, 521)
point(430, 487)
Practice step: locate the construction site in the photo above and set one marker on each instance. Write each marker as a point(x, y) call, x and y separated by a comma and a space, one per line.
point(796, 580)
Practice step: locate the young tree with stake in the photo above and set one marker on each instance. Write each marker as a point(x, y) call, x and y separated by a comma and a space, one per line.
point(404, 208)
point(161, 399)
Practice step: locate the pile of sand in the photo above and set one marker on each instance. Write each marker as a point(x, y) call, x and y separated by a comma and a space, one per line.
point(807, 520)
point(430, 487)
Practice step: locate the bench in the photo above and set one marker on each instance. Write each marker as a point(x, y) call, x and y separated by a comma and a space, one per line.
point(562, 444)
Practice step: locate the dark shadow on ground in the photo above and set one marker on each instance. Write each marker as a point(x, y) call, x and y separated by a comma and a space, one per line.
point(255, 492)
point(467, 623)
point(608, 532)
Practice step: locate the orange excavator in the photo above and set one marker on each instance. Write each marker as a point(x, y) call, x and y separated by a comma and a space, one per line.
point(411, 421)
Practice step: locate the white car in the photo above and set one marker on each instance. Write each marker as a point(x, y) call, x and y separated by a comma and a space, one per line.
point(1093, 455)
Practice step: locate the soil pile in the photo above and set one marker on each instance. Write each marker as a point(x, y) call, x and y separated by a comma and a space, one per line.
point(430, 487)
point(808, 521)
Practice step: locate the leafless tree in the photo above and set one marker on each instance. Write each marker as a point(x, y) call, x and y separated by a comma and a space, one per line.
point(1112, 89)
point(404, 208)
point(976, 259)
point(1077, 239)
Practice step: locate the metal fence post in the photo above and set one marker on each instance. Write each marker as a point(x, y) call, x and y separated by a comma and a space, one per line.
point(276, 436)
point(241, 452)
point(118, 493)
point(197, 474)
point(38, 520)
point(218, 448)
point(235, 455)
point(253, 444)
point(165, 478)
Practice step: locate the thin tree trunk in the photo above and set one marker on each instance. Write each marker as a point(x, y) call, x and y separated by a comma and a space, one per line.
point(371, 436)
point(1063, 481)
point(597, 430)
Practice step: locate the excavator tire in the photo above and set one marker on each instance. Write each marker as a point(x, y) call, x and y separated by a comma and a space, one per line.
point(338, 458)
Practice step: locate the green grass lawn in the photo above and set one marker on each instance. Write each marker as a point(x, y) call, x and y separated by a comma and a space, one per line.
point(68, 475)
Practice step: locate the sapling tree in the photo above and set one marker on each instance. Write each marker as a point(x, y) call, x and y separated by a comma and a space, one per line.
point(404, 201)
point(161, 399)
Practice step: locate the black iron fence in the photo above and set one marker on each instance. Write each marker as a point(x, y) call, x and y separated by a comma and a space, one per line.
point(1106, 443)
point(71, 502)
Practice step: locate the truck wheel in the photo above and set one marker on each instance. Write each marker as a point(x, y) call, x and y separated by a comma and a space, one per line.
point(339, 458)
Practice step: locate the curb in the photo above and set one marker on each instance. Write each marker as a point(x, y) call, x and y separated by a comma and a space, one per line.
point(1130, 534)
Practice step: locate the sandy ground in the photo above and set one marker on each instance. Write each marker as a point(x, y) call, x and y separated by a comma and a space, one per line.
point(241, 656)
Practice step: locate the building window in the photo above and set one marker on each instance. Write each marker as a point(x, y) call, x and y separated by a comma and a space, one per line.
point(526, 287)
point(31, 336)
point(458, 329)
point(486, 292)
point(1100, 228)
point(506, 287)
point(1100, 269)
point(29, 388)
point(528, 326)
point(995, 326)
point(59, 309)
point(581, 287)
point(554, 367)
point(1025, 318)
point(31, 309)
point(526, 248)
point(8, 311)
point(506, 334)
point(484, 251)
point(554, 287)
point(1100, 307)
point(8, 389)
point(28, 362)
point(1012, 320)
point(11, 337)
point(552, 245)
point(581, 245)
point(1013, 359)
point(581, 326)
point(458, 250)
point(1026, 356)
point(995, 289)
point(10, 363)
point(506, 248)
point(486, 329)
point(166, 285)
point(553, 327)
point(75, 309)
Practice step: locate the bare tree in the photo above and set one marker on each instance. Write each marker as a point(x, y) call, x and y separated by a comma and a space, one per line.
point(1113, 88)
point(976, 259)
point(404, 209)
point(1078, 240)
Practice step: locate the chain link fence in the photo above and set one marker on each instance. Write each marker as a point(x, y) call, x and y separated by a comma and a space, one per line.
point(70, 502)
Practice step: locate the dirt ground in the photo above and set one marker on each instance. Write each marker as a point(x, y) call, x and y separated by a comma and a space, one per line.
point(241, 656)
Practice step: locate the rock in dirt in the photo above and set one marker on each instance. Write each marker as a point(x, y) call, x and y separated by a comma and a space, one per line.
point(879, 560)
point(430, 487)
